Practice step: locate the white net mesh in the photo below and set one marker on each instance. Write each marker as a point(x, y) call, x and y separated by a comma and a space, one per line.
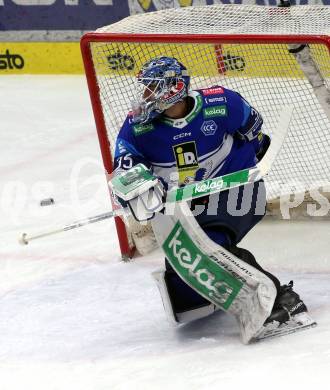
point(228, 19)
point(266, 74)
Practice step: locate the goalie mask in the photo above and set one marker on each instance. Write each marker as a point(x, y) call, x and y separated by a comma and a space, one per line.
point(161, 83)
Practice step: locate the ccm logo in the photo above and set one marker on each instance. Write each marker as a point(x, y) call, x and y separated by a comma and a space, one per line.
point(11, 61)
point(182, 135)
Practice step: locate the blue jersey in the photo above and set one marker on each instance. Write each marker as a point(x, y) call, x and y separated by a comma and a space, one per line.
point(220, 135)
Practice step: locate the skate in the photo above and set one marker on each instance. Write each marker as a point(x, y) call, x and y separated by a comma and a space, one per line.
point(289, 315)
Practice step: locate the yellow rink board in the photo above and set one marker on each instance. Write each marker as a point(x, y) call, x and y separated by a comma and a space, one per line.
point(40, 58)
point(202, 60)
point(233, 60)
point(127, 58)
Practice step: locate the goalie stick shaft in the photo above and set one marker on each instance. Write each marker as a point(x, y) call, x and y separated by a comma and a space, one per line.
point(25, 239)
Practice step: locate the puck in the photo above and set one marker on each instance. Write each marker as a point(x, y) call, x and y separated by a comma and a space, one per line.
point(47, 202)
point(22, 240)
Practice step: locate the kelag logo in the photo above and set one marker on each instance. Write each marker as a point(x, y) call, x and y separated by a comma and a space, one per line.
point(120, 61)
point(196, 268)
point(215, 111)
point(11, 61)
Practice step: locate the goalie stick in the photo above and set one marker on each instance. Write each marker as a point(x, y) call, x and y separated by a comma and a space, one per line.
point(24, 239)
point(190, 191)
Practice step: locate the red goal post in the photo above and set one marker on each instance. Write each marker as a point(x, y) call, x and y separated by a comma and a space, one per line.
point(259, 66)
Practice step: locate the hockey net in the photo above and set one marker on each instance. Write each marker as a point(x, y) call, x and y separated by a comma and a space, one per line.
point(272, 56)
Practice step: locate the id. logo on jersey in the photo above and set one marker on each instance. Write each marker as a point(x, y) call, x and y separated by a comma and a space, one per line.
point(212, 91)
point(215, 111)
point(209, 127)
point(186, 161)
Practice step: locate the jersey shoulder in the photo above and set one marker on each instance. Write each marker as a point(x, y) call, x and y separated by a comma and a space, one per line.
point(134, 131)
point(220, 102)
point(218, 95)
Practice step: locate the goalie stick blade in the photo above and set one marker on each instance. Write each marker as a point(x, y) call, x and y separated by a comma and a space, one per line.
point(297, 323)
point(277, 140)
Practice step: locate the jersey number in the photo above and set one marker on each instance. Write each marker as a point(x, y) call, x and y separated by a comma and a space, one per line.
point(125, 162)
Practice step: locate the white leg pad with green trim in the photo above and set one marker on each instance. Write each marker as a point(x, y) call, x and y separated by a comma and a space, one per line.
point(215, 273)
point(159, 277)
point(179, 317)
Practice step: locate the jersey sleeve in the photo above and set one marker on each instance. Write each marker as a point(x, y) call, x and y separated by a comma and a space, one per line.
point(127, 153)
point(249, 129)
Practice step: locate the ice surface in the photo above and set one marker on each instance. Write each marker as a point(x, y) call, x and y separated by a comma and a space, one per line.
point(72, 316)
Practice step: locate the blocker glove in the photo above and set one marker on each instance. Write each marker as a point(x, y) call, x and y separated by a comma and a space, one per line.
point(139, 190)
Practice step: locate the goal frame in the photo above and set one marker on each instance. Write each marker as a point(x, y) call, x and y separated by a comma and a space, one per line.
point(127, 251)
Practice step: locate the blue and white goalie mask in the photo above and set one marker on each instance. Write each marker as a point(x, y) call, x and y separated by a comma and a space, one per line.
point(161, 83)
